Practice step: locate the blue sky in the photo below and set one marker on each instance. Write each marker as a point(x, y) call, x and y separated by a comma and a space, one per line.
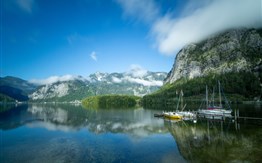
point(42, 38)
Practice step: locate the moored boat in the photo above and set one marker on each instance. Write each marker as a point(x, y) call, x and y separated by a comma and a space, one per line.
point(172, 115)
point(215, 110)
point(186, 114)
point(218, 112)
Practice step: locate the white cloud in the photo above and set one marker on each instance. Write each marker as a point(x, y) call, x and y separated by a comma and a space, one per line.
point(93, 55)
point(145, 10)
point(137, 74)
point(137, 80)
point(116, 80)
point(137, 71)
point(76, 38)
point(71, 38)
point(197, 20)
point(172, 34)
point(54, 79)
point(26, 5)
point(143, 82)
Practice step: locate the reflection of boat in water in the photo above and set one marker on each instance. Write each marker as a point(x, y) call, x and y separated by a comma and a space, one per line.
point(172, 120)
point(213, 111)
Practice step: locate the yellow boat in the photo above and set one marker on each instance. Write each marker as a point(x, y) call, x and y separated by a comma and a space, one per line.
point(172, 115)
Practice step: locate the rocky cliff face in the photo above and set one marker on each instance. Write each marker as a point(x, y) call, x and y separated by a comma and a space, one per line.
point(231, 51)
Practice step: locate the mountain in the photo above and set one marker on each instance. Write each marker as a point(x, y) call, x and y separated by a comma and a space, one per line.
point(18, 83)
point(14, 93)
point(235, 50)
point(233, 57)
point(76, 88)
point(60, 90)
point(12, 88)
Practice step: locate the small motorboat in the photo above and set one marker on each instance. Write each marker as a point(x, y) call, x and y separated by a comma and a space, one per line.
point(172, 115)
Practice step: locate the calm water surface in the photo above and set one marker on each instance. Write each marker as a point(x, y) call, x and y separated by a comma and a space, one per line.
point(67, 133)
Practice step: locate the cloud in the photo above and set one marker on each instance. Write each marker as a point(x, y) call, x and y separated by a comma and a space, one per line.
point(26, 5)
point(196, 22)
point(137, 74)
point(172, 34)
point(18, 6)
point(54, 79)
point(76, 38)
point(116, 80)
point(145, 10)
point(137, 80)
point(93, 55)
point(71, 38)
point(137, 71)
point(143, 81)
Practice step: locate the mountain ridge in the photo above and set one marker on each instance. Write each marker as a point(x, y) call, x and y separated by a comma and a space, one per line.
point(69, 88)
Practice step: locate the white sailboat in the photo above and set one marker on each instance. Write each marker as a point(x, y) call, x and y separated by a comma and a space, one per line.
point(185, 114)
point(212, 110)
point(179, 114)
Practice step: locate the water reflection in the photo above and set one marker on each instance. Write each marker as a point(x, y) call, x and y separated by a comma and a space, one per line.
point(137, 122)
point(217, 141)
point(67, 133)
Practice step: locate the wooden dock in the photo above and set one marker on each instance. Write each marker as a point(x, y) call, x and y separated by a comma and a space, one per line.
point(235, 117)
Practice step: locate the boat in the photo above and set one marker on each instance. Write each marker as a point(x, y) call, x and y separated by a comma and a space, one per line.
point(213, 110)
point(172, 115)
point(187, 115)
point(180, 114)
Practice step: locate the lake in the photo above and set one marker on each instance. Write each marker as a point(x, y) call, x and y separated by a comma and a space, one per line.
point(68, 133)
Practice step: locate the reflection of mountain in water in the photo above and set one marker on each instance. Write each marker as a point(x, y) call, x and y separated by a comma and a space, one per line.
point(13, 117)
point(211, 141)
point(137, 122)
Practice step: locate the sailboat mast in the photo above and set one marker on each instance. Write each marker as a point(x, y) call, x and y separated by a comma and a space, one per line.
point(206, 96)
point(220, 102)
point(213, 98)
point(178, 102)
point(182, 100)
